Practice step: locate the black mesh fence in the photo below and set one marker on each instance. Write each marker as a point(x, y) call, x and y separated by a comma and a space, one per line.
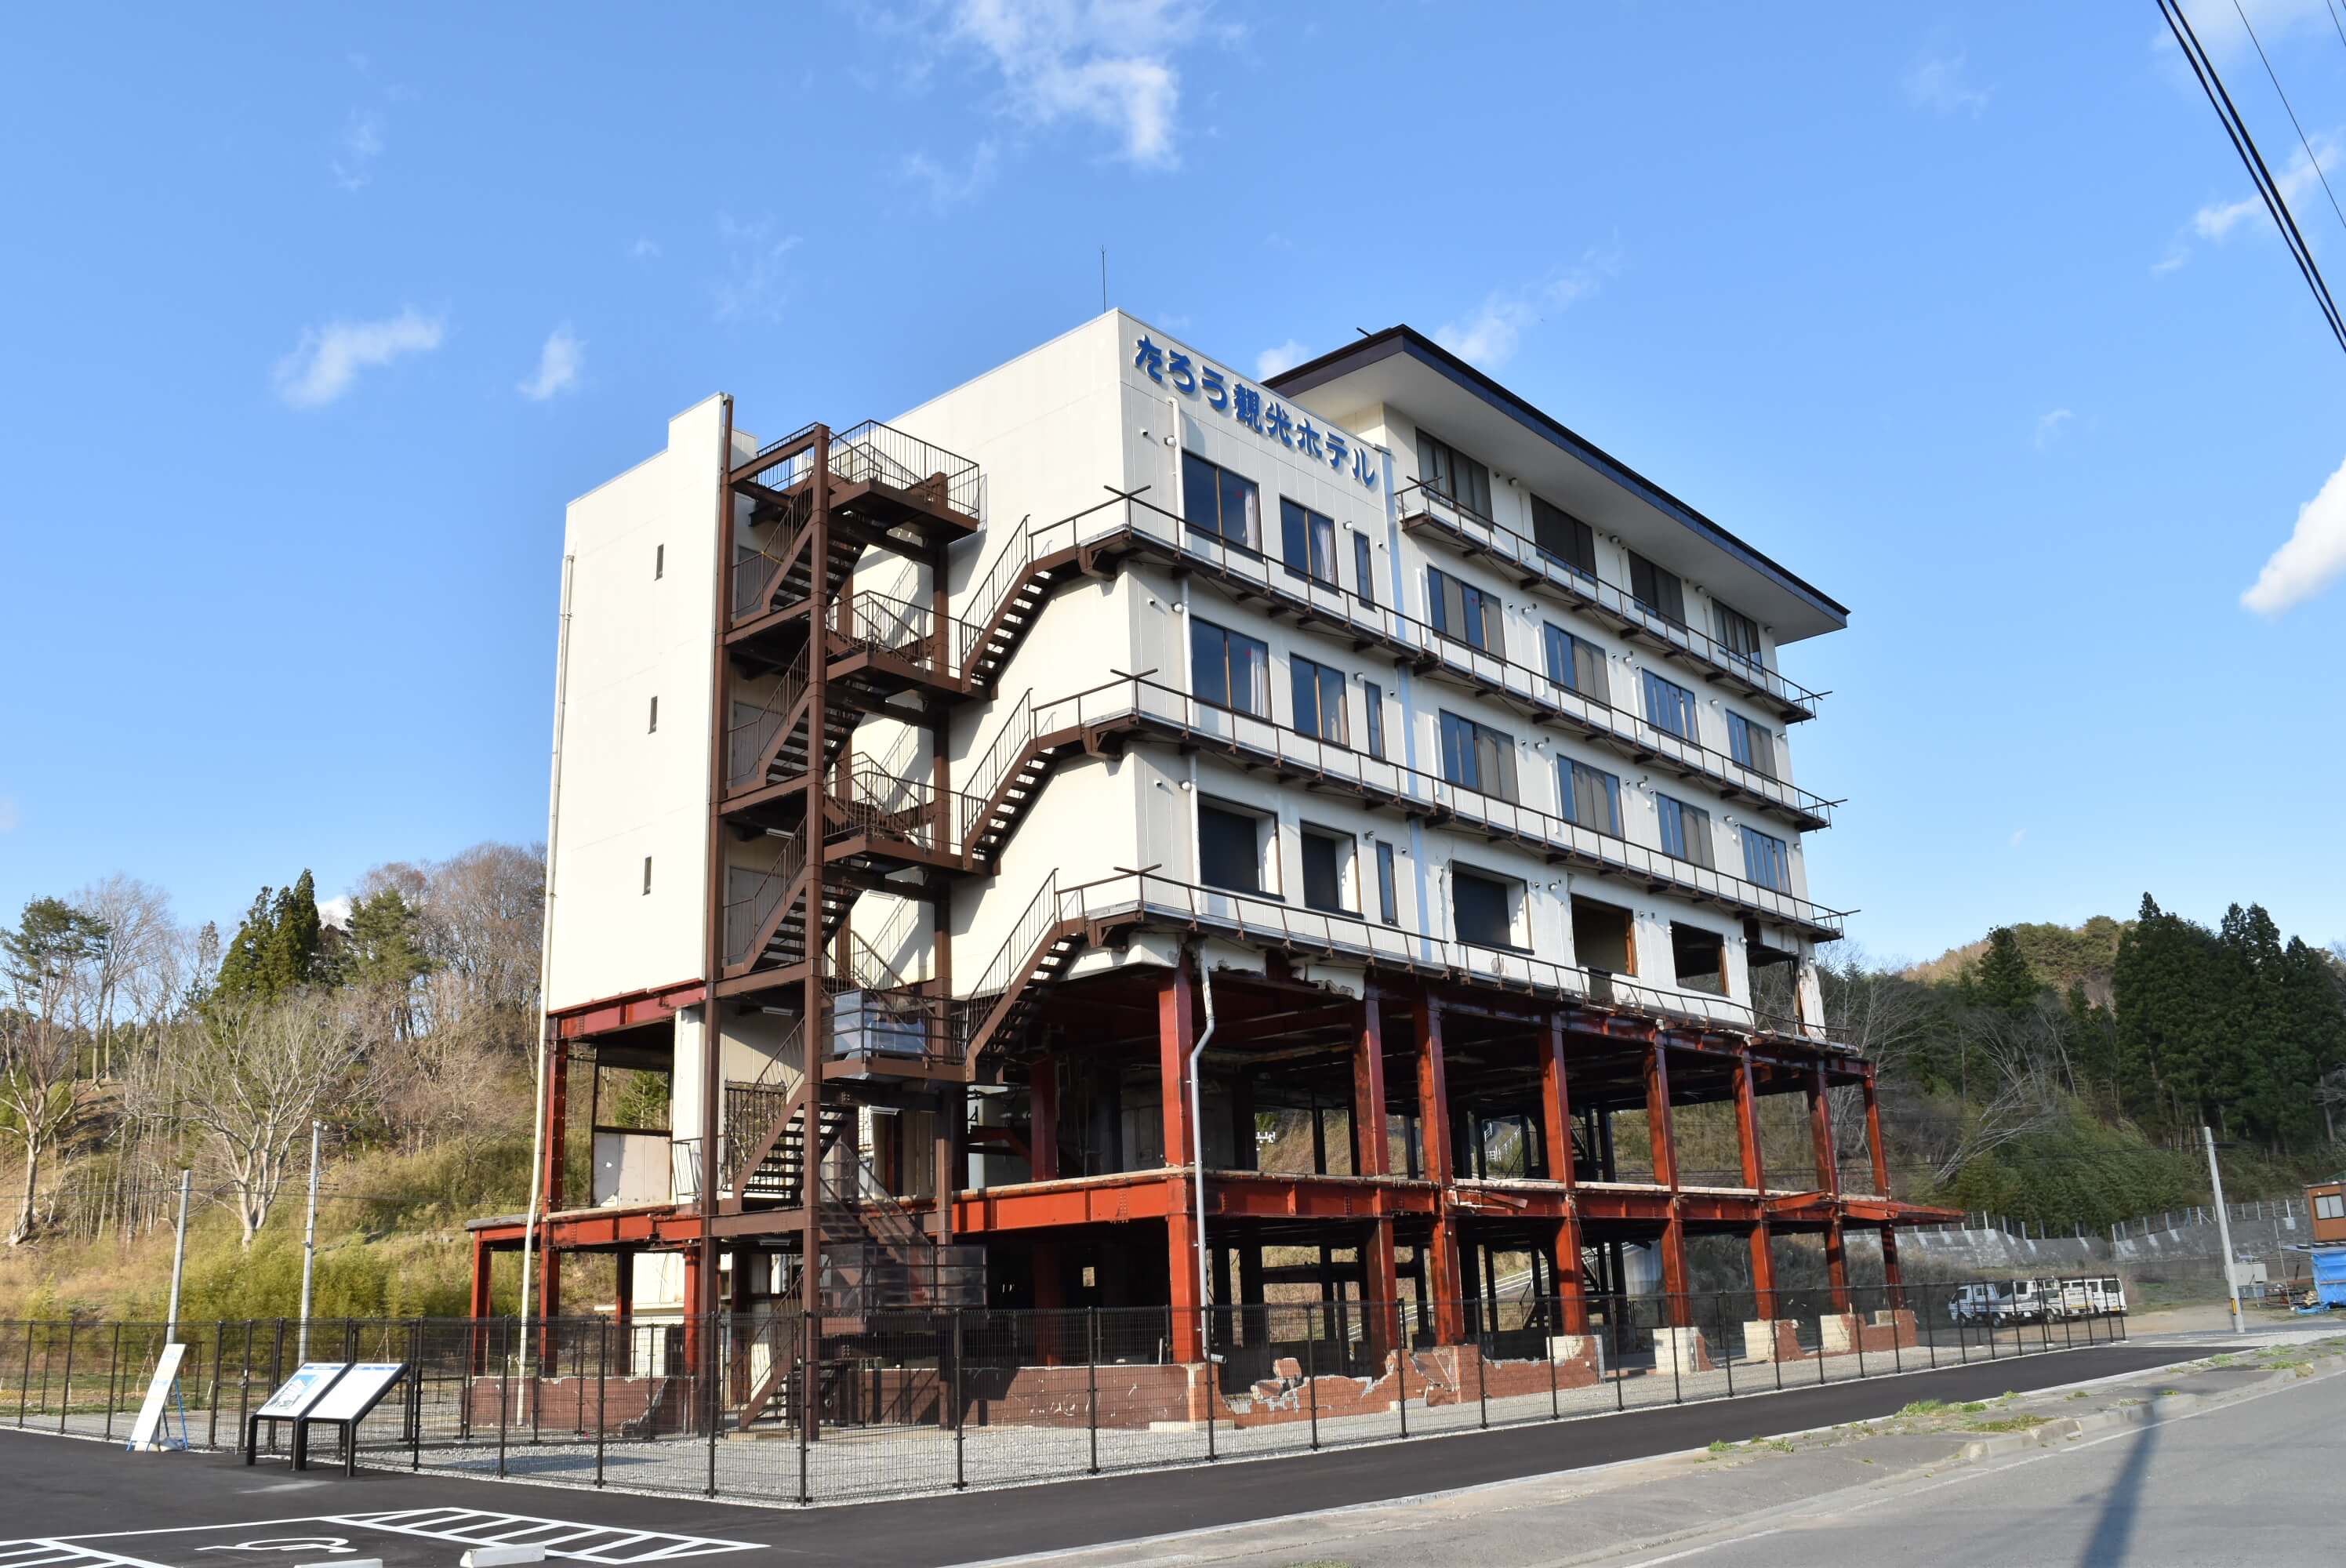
point(775, 1406)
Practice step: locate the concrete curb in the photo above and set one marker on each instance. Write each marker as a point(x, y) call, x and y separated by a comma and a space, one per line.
point(2071, 1427)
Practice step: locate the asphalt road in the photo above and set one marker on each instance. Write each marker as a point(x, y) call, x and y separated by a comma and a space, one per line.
point(2257, 1481)
point(191, 1511)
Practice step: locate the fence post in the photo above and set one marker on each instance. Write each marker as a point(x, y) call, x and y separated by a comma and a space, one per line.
point(1613, 1327)
point(415, 1395)
point(1091, 1378)
point(1725, 1349)
point(211, 1399)
point(1482, 1378)
point(24, 1384)
point(1213, 1383)
point(65, 1397)
point(1555, 1319)
point(1857, 1332)
point(504, 1393)
point(1310, 1377)
point(806, 1380)
point(1400, 1367)
point(717, 1368)
point(244, 1385)
point(602, 1391)
point(113, 1380)
point(1678, 1351)
point(960, 1472)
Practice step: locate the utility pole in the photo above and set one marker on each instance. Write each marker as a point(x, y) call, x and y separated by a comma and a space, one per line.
point(309, 1243)
point(178, 1259)
point(2223, 1228)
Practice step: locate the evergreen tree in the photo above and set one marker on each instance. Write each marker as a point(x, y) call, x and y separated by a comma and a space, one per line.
point(277, 948)
point(383, 943)
point(2004, 978)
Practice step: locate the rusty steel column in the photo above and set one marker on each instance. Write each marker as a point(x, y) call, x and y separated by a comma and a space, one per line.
point(1666, 1174)
point(1755, 1176)
point(1873, 1136)
point(1556, 1114)
point(1176, 1031)
point(814, 1046)
point(1043, 1119)
point(1821, 1136)
point(702, 1267)
point(1372, 1156)
point(1443, 1281)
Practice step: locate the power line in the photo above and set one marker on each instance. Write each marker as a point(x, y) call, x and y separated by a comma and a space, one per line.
point(2332, 5)
point(2204, 69)
point(2301, 139)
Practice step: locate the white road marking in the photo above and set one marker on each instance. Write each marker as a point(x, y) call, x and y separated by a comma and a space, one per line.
point(479, 1526)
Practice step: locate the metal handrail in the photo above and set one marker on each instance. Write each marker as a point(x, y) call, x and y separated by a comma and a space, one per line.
point(1023, 945)
point(1439, 507)
point(1132, 517)
point(746, 739)
point(1135, 697)
point(1011, 740)
point(748, 903)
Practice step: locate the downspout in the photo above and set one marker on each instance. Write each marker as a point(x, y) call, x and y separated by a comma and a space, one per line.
point(546, 943)
point(1198, 1155)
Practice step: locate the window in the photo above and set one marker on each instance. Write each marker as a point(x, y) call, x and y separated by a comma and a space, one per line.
point(1228, 669)
point(1737, 632)
point(1592, 797)
point(1230, 848)
point(1658, 589)
point(1459, 477)
point(1669, 707)
point(1319, 700)
point(1388, 896)
point(1373, 696)
point(1308, 539)
point(1601, 937)
point(1750, 745)
point(1699, 957)
point(1364, 569)
point(1686, 830)
point(653, 727)
point(1327, 867)
point(1563, 537)
point(1462, 610)
point(660, 562)
point(1476, 756)
point(1216, 501)
point(647, 874)
point(1484, 907)
point(1571, 662)
point(1767, 860)
point(2328, 1206)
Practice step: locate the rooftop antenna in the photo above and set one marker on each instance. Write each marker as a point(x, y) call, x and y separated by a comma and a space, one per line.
point(1103, 280)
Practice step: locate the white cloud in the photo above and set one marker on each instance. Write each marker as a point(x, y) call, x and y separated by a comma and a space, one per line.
point(10, 817)
point(1489, 337)
point(557, 365)
point(754, 278)
point(360, 145)
point(1938, 83)
point(2048, 426)
point(2313, 557)
point(643, 249)
point(2217, 220)
point(951, 186)
point(1105, 62)
point(330, 358)
point(1286, 356)
point(335, 911)
point(2018, 835)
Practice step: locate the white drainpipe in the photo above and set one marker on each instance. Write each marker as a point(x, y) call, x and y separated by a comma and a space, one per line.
point(1197, 1156)
point(546, 945)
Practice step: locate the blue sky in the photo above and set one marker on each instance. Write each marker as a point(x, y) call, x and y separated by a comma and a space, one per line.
point(318, 316)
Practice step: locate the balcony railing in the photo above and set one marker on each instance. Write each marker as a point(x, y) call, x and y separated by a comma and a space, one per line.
point(1146, 898)
point(1262, 741)
point(873, 453)
point(1422, 503)
point(1132, 519)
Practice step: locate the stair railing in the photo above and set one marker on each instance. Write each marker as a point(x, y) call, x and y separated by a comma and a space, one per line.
point(1011, 739)
point(751, 895)
point(1011, 965)
point(751, 727)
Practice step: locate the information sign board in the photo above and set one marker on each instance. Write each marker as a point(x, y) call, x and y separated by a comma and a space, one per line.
point(159, 1394)
point(354, 1393)
point(308, 1384)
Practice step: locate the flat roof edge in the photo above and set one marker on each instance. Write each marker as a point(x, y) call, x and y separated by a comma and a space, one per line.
point(1407, 340)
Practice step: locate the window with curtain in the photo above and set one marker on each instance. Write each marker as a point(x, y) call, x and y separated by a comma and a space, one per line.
point(1767, 860)
point(1364, 572)
point(1591, 796)
point(1216, 501)
point(1372, 698)
point(1319, 700)
point(1462, 611)
point(1388, 891)
point(1575, 663)
point(1326, 858)
point(1308, 541)
point(1750, 745)
point(1669, 707)
point(1686, 830)
point(1657, 588)
point(1456, 475)
point(1229, 670)
point(1476, 756)
point(1563, 537)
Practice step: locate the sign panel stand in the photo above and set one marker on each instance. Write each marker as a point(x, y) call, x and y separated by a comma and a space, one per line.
point(163, 1392)
point(291, 1401)
point(345, 1403)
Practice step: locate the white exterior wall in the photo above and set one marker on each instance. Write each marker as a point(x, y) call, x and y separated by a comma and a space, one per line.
point(623, 791)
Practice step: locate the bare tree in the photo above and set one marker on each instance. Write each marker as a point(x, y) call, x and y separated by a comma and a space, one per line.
point(48, 958)
point(137, 975)
point(2021, 1054)
point(482, 911)
point(247, 1078)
